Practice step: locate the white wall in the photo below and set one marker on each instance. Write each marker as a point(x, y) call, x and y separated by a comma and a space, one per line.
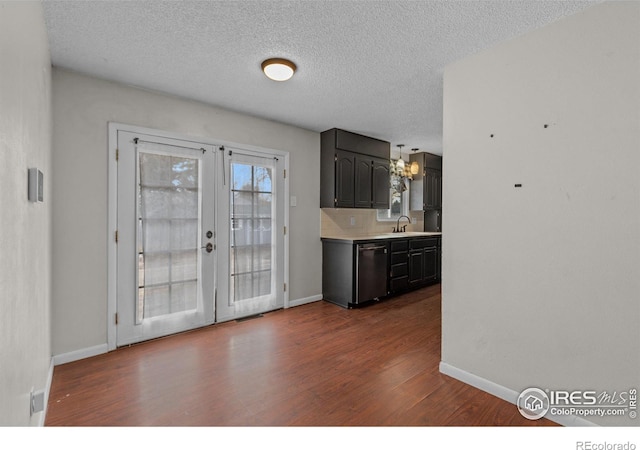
point(25, 228)
point(541, 284)
point(82, 107)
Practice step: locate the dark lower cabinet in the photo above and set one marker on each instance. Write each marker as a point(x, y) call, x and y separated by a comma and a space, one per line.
point(439, 260)
point(424, 261)
point(411, 263)
point(416, 267)
point(431, 256)
point(399, 266)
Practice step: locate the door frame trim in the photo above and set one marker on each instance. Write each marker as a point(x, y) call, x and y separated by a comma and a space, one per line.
point(112, 208)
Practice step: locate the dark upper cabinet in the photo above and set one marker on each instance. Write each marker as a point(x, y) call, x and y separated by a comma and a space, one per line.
point(432, 194)
point(357, 143)
point(426, 187)
point(362, 179)
point(344, 185)
point(354, 171)
point(437, 189)
point(380, 183)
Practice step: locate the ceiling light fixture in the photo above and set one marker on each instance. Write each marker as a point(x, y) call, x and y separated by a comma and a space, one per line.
point(278, 69)
point(400, 162)
point(403, 169)
point(415, 167)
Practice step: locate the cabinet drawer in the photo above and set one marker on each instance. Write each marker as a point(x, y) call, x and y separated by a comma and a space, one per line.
point(416, 244)
point(399, 270)
point(399, 258)
point(399, 284)
point(399, 245)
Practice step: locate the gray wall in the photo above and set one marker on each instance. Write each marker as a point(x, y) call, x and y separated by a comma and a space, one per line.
point(25, 228)
point(541, 284)
point(82, 107)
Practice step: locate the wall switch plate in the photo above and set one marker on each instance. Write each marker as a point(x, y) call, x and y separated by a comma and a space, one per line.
point(37, 402)
point(352, 221)
point(293, 201)
point(36, 189)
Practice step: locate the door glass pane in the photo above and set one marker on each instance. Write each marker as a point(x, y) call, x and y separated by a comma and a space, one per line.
point(169, 213)
point(251, 231)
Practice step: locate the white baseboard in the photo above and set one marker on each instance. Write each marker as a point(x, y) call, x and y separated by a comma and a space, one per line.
point(304, 301)
point(80, 354)
point(506, 394)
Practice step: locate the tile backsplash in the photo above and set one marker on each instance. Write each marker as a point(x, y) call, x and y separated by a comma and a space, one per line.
point(347, 222)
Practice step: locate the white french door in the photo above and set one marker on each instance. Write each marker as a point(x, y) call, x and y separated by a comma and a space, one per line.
point(254, 234)
point(201, 234)
point(166, 231)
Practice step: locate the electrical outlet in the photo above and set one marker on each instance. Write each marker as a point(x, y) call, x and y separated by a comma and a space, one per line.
point(352, 221)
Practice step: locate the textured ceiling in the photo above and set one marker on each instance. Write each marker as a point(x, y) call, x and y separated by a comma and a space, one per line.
point(372, 67)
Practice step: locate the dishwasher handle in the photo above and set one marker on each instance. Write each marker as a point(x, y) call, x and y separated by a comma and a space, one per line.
point(371, 249)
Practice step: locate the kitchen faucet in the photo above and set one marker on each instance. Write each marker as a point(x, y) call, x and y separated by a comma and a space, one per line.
point(397, 227)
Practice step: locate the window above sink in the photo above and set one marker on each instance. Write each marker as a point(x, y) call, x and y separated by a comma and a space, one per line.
point(398, 193)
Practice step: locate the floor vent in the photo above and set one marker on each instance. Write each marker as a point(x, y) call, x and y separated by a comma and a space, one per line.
point(244, 319)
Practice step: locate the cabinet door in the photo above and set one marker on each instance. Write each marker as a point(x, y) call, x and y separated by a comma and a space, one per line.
point(415, 267)
point(362, 182)
point(380, 196)
point(439, 261)
point(437, 194)
point(398, 284)
point(357, 143)
point(430, 264)
point(432, 189)
point(345, 184)
point(428, 189)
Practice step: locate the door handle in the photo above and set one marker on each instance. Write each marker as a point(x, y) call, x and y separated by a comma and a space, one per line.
point(208, 247)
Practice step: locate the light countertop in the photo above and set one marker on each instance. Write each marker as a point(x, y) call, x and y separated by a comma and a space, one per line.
point(374, 237)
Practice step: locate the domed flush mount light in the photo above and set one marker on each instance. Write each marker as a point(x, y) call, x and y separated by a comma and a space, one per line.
point(278, 69)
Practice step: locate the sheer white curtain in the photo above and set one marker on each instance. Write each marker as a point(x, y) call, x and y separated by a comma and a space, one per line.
point(168, 230)
point(252, 239)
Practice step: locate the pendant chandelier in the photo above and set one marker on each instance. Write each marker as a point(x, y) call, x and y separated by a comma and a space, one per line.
point(414, 167)
point(400, 162)
point(405, 169)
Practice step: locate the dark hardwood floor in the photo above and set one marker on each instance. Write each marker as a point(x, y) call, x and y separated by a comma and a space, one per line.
point(312, 365)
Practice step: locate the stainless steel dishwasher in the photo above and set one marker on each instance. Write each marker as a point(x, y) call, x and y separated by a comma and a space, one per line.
point(372, 271)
